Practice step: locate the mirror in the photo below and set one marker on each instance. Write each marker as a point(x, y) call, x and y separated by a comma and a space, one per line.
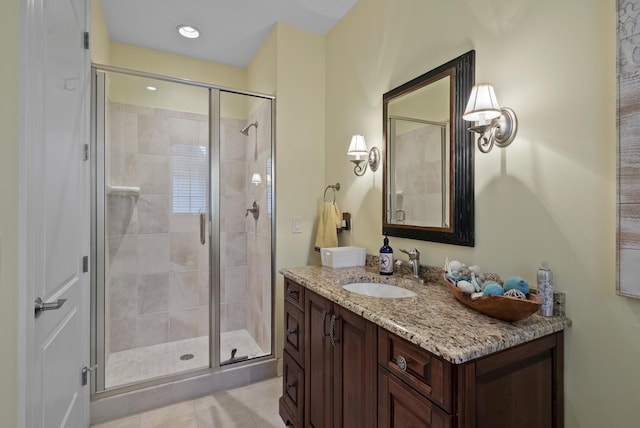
point(428, 165)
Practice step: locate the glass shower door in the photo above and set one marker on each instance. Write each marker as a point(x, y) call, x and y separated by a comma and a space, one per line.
point(246, 224)
point(154, 190)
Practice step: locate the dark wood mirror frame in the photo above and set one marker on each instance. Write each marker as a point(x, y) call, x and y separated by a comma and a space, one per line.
point(461, 229)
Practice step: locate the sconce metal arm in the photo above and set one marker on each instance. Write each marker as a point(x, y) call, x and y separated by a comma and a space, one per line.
point(502, 131)
point(373, 161)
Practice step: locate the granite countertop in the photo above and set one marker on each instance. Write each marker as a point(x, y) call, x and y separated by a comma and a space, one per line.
point(433, 320)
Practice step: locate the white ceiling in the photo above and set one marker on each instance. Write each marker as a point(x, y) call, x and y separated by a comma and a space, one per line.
point(231, 31)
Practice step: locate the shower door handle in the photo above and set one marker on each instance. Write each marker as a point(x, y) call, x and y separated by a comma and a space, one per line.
point(203, 228)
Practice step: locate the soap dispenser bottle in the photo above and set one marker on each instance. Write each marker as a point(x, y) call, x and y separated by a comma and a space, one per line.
point(386, 258)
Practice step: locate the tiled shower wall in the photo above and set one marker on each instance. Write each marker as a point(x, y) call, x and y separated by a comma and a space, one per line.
point(259, 293)
point(157, 277)
point(233, 231)
point(157, 288)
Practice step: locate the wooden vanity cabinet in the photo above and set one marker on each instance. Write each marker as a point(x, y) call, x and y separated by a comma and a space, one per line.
point(340, 362)
point(518, 387)
point(329, 364)
point(340, 370)
point(291, 406)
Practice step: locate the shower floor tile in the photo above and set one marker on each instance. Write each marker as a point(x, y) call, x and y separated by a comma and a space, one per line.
point(153, 361)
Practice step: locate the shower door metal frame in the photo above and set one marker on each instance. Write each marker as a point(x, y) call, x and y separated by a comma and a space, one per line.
point(98, 103)
point(214, 226)
point(98, 228)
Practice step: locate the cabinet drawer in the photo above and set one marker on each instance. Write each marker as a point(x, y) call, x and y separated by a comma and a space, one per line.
point(294, 293)
point(424, 372)
point(399, 406)
point(294, 332)
point(292, 400)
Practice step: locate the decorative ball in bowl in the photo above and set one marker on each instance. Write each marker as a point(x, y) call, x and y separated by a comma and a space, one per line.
point(505, 308)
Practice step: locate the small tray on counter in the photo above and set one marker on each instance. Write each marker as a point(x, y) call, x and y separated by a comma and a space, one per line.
point(502, 307)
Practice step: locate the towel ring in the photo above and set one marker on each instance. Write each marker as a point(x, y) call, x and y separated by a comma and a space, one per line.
point(334, 187)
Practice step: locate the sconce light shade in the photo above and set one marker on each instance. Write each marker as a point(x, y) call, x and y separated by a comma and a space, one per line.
point(500, 122)
point(256, 179)
point(483, 104)
point(358, 148)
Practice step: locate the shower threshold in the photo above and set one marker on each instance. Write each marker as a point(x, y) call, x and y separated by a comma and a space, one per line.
point(148, 362)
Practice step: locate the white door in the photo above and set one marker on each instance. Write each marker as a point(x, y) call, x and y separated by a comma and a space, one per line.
point(56, 213)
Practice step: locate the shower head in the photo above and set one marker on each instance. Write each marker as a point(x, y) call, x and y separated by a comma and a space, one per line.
point(245, 130)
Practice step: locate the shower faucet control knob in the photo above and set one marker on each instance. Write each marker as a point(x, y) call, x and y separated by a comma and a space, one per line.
point(254, 209)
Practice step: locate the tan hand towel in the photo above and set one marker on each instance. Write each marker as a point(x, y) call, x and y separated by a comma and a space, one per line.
point(328, 225)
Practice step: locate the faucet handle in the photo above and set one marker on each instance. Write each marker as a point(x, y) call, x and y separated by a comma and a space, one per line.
point(413, 253)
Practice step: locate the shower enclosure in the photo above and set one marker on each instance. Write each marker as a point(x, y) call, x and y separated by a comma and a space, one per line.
point(183, 225)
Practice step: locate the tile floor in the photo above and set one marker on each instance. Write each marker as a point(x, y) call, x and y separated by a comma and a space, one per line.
point(252, 406)
point(148, 362)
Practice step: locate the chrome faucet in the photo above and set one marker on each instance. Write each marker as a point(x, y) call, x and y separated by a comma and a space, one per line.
point(413, 264)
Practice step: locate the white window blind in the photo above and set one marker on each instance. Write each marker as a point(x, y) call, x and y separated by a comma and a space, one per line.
point(189, 178)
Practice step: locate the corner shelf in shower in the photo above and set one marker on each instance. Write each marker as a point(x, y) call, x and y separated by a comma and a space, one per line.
point(123, 190)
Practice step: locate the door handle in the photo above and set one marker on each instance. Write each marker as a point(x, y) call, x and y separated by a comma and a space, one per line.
point(85, 373)
point(203, 228)
point(41, 306)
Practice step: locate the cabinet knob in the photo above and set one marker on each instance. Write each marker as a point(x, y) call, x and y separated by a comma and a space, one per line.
point(292, 332)
point(291, 292)
point(402, 363)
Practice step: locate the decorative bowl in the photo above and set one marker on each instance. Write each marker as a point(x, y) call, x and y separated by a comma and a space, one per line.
point(502, 307)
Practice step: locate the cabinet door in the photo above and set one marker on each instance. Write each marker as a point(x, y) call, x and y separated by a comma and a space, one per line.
point(291, 407)
point(354, 364)
point(294, 332)
point(518, 387)
point(318, 361)
point(399, 406)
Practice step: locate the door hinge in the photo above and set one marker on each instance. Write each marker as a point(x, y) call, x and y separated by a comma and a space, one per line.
point(86, 40)
point(85, 373)
point(85, 264)
point(85, 152)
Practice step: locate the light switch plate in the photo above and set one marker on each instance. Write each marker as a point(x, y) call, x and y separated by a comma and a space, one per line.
point(296, 225)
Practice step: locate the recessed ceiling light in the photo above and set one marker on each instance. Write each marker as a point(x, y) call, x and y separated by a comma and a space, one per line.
point(151, 88)
point(188, 31)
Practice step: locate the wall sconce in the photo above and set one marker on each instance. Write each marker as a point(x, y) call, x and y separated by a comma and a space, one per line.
point(500, 122)
point(256, 179)
point(358, 148)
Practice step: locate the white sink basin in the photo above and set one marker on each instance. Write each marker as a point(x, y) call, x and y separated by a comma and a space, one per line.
point(374, 289)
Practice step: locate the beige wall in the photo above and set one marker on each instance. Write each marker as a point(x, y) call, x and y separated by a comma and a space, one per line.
point(99, 35)
point(291, 63)
point(549, 196)
point(166, 64)
point(300, 141)
point(9, 128)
